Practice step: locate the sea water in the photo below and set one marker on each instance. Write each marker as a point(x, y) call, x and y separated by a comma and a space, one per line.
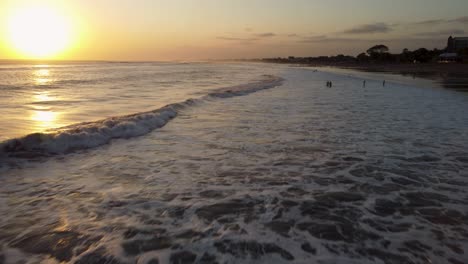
point(235, 163)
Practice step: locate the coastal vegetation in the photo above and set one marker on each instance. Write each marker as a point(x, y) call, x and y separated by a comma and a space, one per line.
point(378, 54)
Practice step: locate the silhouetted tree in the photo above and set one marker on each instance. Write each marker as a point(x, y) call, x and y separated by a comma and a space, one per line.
point(377, 54)
point(377, 49)
point(405, 56)
point(422, 55)
point(362, 57)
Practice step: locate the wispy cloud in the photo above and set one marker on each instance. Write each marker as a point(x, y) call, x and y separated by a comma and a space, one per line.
point(265, 35)
point(444, 32)
point(463, 20)
point(325, 38)
point(433, 22)
point(312, 39)
point(369, 29)
point(430, 22)
point(248, 39)
point(341, 40)
point(236, 39)
point(241, 41)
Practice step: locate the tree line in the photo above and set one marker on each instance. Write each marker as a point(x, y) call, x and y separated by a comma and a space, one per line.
point(380, 53)
point(375, 54)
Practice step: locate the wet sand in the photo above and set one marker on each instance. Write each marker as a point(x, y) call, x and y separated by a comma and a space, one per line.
point(450, 75)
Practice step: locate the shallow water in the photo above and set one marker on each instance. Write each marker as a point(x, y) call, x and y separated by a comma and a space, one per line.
point(38, 98)
point(298, 173)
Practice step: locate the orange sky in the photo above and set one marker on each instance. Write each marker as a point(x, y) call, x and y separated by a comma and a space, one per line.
point(209, 29)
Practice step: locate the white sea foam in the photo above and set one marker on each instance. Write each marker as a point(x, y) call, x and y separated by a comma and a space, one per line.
point(302, 173)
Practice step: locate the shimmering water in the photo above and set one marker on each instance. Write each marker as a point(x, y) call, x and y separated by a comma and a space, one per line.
point(297, 173)
point(37, 98)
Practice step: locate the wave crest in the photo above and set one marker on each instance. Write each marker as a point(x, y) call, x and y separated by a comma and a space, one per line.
point(93, 134)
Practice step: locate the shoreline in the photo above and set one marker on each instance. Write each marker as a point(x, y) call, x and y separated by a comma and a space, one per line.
point(429, 69)
point(449, 75)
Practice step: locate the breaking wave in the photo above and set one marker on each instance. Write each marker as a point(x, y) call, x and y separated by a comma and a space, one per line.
point(93, 134)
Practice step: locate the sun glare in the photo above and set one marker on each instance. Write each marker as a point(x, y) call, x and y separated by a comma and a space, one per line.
point(39, 32)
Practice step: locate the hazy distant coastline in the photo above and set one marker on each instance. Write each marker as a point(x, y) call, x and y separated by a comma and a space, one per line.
point(423, 70)
point(449, 75)
point(426, 70)
point(449, 66)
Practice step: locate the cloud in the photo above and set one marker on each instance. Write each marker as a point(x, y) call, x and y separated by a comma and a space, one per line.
point(312, 39)
point(343, 40)
point(444, 32)
point(255, 37)
point(266, 35)
point(236, 39)
point(242, 41)
point(369, 29)
point(463, 20)
point(325, 38)
point(433, 22)
point(248, 29)
point(430, 22)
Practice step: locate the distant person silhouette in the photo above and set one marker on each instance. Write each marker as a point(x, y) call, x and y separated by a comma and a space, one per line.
point(364, 84)
point(383, 83)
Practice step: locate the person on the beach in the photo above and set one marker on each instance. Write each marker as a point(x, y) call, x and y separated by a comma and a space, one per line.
point(364, 83)
point(384, 83)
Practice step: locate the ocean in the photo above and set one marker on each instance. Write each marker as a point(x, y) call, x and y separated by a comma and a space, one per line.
point(229, 163)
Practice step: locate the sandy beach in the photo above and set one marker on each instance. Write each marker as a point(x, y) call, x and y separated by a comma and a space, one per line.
point(448, 75)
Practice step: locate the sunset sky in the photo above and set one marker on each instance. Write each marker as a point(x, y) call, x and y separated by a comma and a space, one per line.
point(222, 29)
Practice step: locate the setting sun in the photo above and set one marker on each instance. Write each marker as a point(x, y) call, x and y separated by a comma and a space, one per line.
point(39, 32)
point(233, 131)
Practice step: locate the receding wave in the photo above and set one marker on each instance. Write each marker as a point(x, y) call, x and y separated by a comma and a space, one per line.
point(93, 134)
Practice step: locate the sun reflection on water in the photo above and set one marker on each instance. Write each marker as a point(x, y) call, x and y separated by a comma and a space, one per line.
point(43, 96)
point(45, 120)
point(42, 76)
point(42, 72)
point(43, 116)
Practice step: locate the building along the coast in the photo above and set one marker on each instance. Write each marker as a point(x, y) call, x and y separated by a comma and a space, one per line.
point(456, 51)
point(456, 44)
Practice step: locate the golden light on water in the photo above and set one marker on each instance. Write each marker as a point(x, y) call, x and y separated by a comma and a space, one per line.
point(41, 76)
point(39, 32)
point(43, 117)
point(42, 72)
point(43, 97)
point(42, 81)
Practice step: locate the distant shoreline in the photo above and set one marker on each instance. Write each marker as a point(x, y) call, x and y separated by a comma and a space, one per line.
point(448, 75)
point(433, 71)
